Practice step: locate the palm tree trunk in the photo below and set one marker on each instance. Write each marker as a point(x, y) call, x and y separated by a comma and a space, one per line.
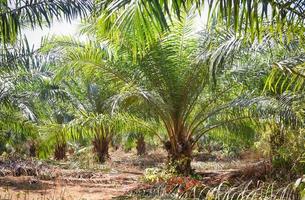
point(141, 146)
point(32, 149)
point(60, 151)
point(180, 158)
point(101, 148)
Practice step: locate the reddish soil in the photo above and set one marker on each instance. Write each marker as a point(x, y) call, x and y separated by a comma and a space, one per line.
point(126, 170)
point(124, 175)
point(102, 188)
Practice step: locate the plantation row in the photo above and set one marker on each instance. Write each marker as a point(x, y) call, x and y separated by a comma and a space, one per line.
point(216, 78)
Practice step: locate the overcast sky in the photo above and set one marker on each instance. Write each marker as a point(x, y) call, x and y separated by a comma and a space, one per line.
point(65, 28)
point(58, 28)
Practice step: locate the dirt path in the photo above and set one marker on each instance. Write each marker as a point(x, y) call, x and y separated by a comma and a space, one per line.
point(29, 180)
point(105, 187)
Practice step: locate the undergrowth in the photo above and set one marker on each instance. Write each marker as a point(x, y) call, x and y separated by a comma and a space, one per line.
point(224, 191)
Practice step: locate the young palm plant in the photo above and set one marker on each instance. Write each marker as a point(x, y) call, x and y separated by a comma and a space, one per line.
point(101, 128)
point(15, 129)
point(93, 119)
point(54, 140)
point(174, 82)
point(140, 132)
point(172, 78)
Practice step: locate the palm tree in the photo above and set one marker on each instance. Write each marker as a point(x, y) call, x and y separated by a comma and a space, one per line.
point(16, 132)
point(171, 77)
point(282, 131)
point(93, 118)
point(17, 116)
point(140, 131)
point(28, 93)
point(53, 138)
point(17, 72)
point(101, 128)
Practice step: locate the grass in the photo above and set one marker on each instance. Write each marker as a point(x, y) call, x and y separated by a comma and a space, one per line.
point(224, 191)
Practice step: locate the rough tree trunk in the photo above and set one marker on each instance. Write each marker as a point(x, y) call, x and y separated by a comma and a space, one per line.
point(32, 149)
point(101, 147)
point(180, 158)
point(60, 151)
point(141, 146)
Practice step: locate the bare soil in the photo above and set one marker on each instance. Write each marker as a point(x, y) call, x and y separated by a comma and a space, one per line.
point(25, 180)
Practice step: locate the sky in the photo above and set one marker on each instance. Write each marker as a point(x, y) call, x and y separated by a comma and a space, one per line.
point(65, 28)
point(58, 28)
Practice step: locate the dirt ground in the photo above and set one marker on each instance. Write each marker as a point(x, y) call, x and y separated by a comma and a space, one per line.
point(124, 174)
point(105, 187)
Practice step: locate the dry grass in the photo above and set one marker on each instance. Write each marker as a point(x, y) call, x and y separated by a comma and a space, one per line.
point(242, 191)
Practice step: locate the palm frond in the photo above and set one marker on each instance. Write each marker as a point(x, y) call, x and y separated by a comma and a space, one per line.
point(287, 75)
point(19, 13)
point(251, 16)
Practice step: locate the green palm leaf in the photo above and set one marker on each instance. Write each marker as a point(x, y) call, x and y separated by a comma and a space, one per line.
point(19, 13)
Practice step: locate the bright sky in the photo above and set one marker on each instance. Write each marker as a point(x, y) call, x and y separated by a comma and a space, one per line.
point(65, 28)
point(58, 28)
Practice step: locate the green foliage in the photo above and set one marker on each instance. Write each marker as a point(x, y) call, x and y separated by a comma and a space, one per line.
point(153, 175)
point(175, 86)
point(171, 77)
point(50, 136)
point(15, 131)
point(230, 140)
point(18, 14)
point(284, 146)
point(253, 17)
point(287, 72)
point(147, 71)
point(84, 159)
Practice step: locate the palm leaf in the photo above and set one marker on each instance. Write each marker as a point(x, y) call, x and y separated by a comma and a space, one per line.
point(19, 13)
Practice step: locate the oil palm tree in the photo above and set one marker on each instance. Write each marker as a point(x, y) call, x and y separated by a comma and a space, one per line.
point(17, 110)
point(101, 128)
point(171, 77)
point(16, 131)
point(53, 137)
point(281, 127)
point(93, 119)
point(16, 55)
point(140, 131)
point(28, 94)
